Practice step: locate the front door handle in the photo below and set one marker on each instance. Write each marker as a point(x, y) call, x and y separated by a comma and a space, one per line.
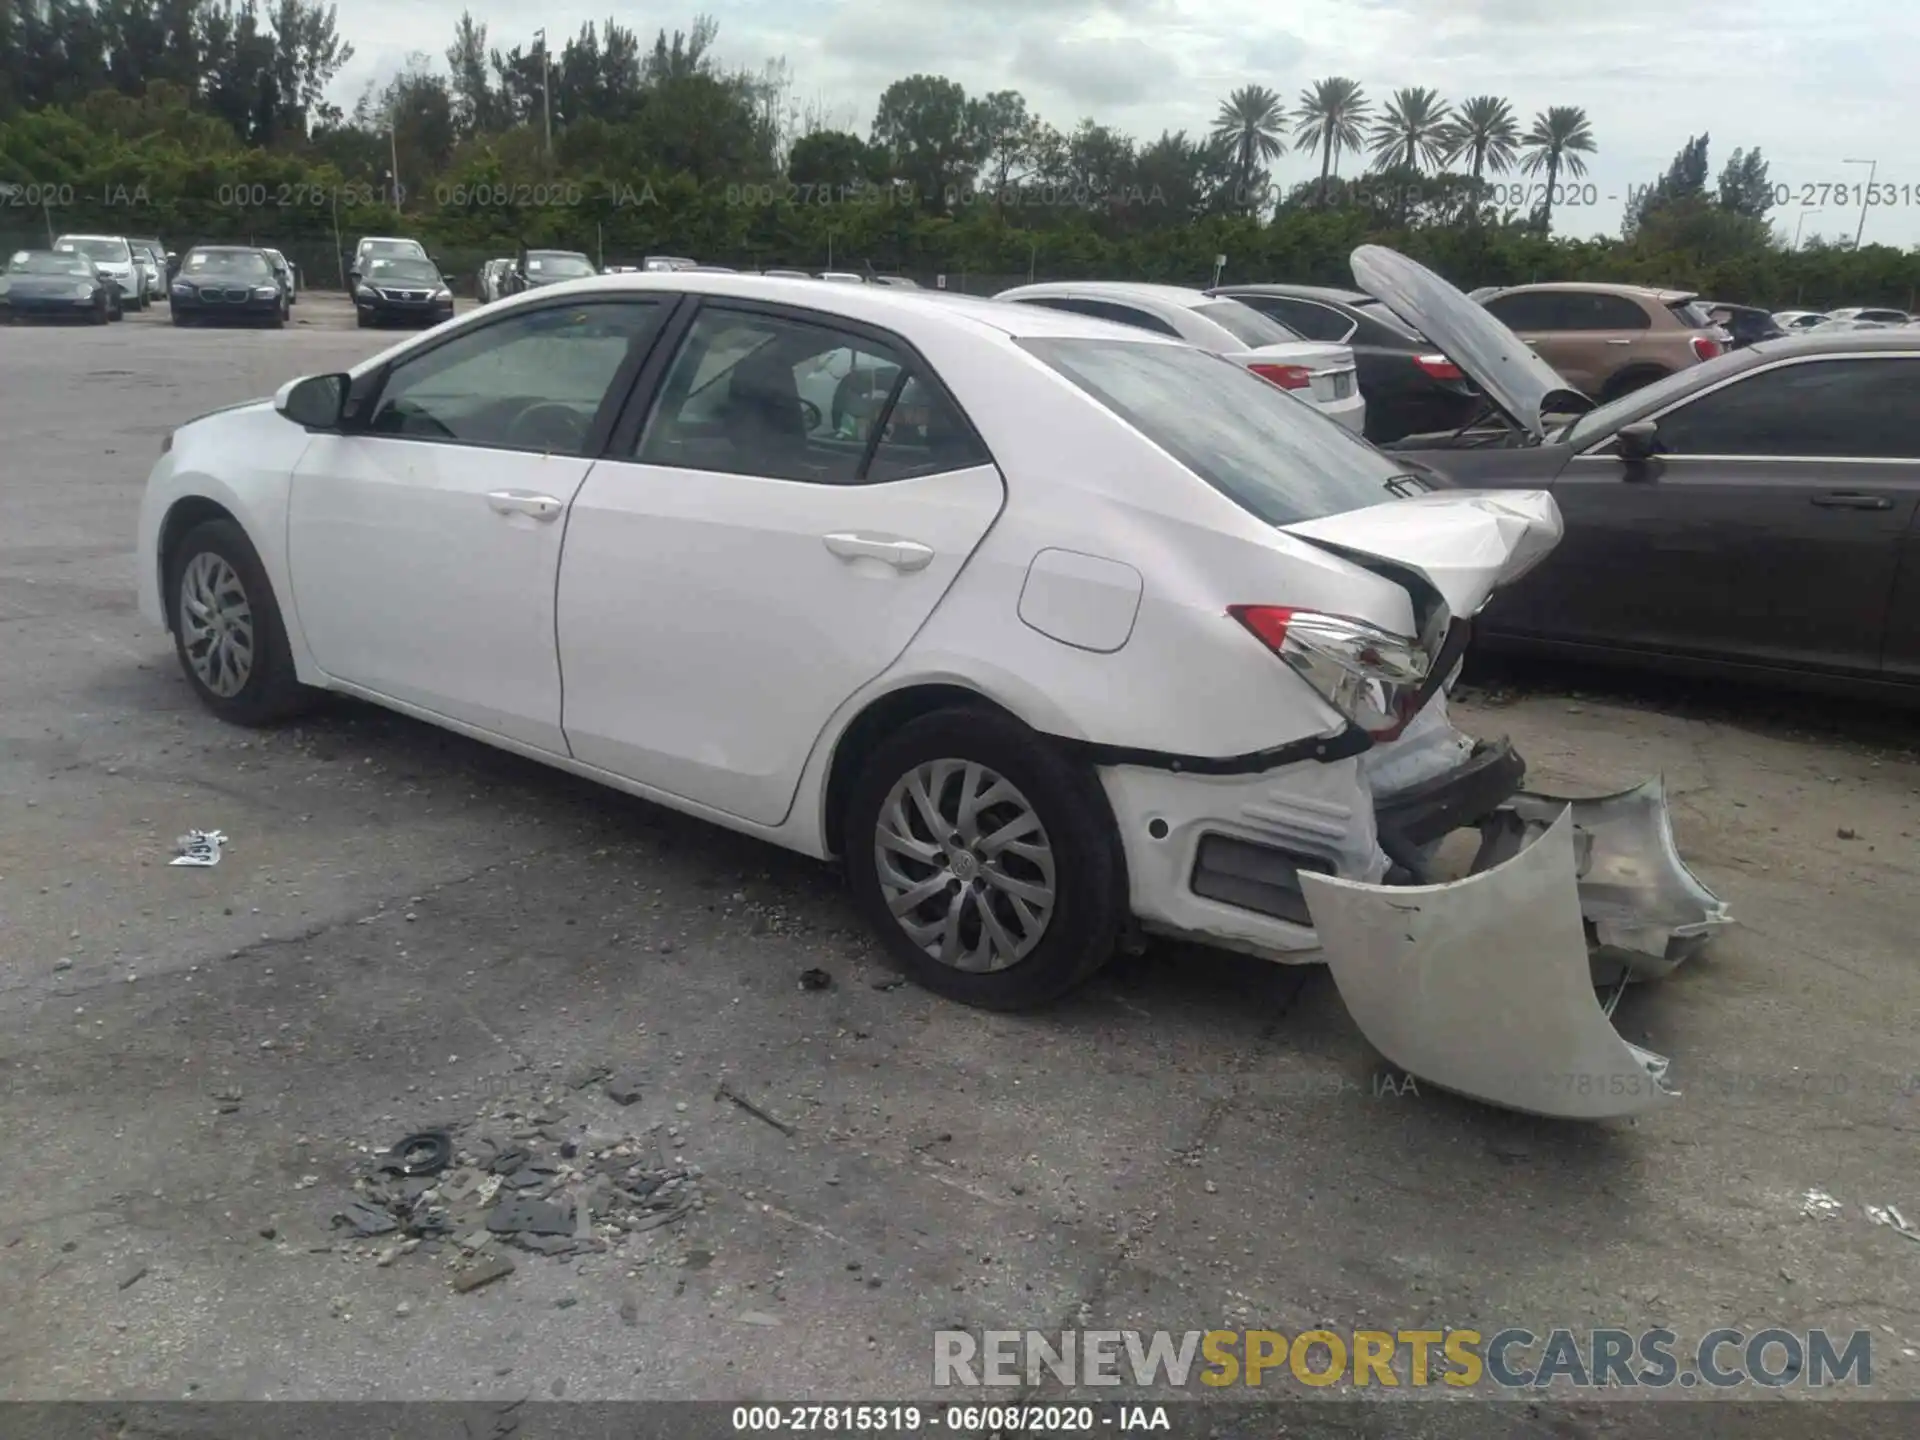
point(901, 554)
point(1619, 342)
point(522, 502)
point(1844, 500)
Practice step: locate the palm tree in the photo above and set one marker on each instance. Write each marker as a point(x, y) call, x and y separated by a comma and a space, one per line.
point(1560, 135)
point(1250, 123)
point(1414, 130)
point(1331, 114)
point(1484, 129)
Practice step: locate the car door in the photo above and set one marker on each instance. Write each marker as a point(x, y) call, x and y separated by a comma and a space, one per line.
point(741, 565)
point(1541, 318)
point(424, 537)
point(1767, 529)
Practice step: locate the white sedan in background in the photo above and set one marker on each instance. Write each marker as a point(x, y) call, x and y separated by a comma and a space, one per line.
point(1077, 631)
point(1320, 373)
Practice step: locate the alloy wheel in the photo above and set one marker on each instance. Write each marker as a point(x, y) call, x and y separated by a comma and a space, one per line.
point(216, 624)
point(965, 865)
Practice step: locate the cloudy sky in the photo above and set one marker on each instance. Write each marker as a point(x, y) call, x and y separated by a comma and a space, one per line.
point(1812, 84)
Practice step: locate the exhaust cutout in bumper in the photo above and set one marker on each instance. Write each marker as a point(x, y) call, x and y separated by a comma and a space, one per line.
point(1485, 985)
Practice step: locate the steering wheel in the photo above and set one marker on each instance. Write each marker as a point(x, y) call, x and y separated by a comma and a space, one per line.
point(547, 425)
point(810, 415)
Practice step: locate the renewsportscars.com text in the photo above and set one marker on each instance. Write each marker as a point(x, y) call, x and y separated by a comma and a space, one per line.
point(1505, 1360)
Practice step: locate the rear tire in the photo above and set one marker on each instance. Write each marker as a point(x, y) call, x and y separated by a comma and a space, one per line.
point(227, 630)
point(1068, 851)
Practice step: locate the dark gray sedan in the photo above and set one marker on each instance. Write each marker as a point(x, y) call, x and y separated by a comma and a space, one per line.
point(1753, 515)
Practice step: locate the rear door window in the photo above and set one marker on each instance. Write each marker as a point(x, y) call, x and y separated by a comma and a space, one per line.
point(1271, 454)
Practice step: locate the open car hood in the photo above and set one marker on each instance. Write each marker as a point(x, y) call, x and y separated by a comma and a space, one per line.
point(1464, 543)
point(1507, 371)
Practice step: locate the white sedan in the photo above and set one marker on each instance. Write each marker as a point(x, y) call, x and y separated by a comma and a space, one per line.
point(1321, 373)
point(1075, 631)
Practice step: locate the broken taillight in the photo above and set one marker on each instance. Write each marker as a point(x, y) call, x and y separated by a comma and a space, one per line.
point(1705, 347)
point(1370, 675)
point(1438, 367)
point(1287, 377)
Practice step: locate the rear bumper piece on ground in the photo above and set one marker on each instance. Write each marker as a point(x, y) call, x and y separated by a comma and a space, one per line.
point(1485, 985)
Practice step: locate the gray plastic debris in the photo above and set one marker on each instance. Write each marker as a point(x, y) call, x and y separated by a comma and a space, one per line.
point(199, 847)
point(1890, 1216)
point(365, 1220)
point(518, 1215)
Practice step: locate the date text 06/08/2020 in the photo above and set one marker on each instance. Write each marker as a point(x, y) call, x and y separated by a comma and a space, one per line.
point(1014, 1419)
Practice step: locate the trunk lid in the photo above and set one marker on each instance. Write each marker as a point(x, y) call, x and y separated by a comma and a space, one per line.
point(1464, 543)
point(1330, 366)
point(1512, 377)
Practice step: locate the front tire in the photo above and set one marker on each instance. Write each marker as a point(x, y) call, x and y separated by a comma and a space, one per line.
point(227, 628)
point(1023, 897)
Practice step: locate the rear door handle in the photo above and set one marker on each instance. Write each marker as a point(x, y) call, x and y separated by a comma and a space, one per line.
point(522, 502)
point(1619, 342)
point(1843, 500)
point(901, 554)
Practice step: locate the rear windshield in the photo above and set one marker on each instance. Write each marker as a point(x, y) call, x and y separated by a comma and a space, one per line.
point(1246, 324)
point(1692, 314)
point(559, 265)
point(1273, 455)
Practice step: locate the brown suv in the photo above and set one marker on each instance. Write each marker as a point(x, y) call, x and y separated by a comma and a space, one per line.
point(1609, 339)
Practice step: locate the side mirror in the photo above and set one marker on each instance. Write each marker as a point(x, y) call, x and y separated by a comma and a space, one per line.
point(314, 401)
point(1637, 442)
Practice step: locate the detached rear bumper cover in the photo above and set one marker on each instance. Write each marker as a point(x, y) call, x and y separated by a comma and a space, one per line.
point(1485, 985)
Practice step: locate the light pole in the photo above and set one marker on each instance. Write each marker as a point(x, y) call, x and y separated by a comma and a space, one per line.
point(546, 86)
point(1873, 168)
point(1798, 223)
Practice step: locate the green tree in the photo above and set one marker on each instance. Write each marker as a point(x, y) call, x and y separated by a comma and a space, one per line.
point(829, 163)
point(1744, 185)
point(1557, 142)
point(1251, 122)
point(1484, 133)
point(1329, 118)
point(931, 137)
point(1413, 131)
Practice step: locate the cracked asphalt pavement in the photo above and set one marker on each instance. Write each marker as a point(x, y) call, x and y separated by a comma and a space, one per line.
point(408, 928)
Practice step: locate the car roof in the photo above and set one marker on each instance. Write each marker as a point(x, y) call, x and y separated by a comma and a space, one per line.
point(88, 235)
point(547, 250)
point(1843, 342)
point(1596, 287)
point(1181, 295)
point(1300, 292)
point(889, 306)
point(225, 250)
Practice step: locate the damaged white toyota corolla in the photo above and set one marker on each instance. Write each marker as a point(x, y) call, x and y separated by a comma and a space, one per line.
point(1050, 629)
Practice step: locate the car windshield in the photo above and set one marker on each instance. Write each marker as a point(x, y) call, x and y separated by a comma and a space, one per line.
point(556, 265)
point(405, 272)
point(1246, 324)
point(238, 264)
point(405, 248)
point(1273, 455)
point(50, 262)
point(99, 249)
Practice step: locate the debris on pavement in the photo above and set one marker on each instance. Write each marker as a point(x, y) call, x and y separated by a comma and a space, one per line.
point(815, 979)
point(198, 847)
point(492, 1268)
point(889, 982)
point(624, 1088)
point(727, 1092)
point(1818, 1205)
point(522, 1176)
point(132, 1275)
point(425, 1153)
point(1891, 1217)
